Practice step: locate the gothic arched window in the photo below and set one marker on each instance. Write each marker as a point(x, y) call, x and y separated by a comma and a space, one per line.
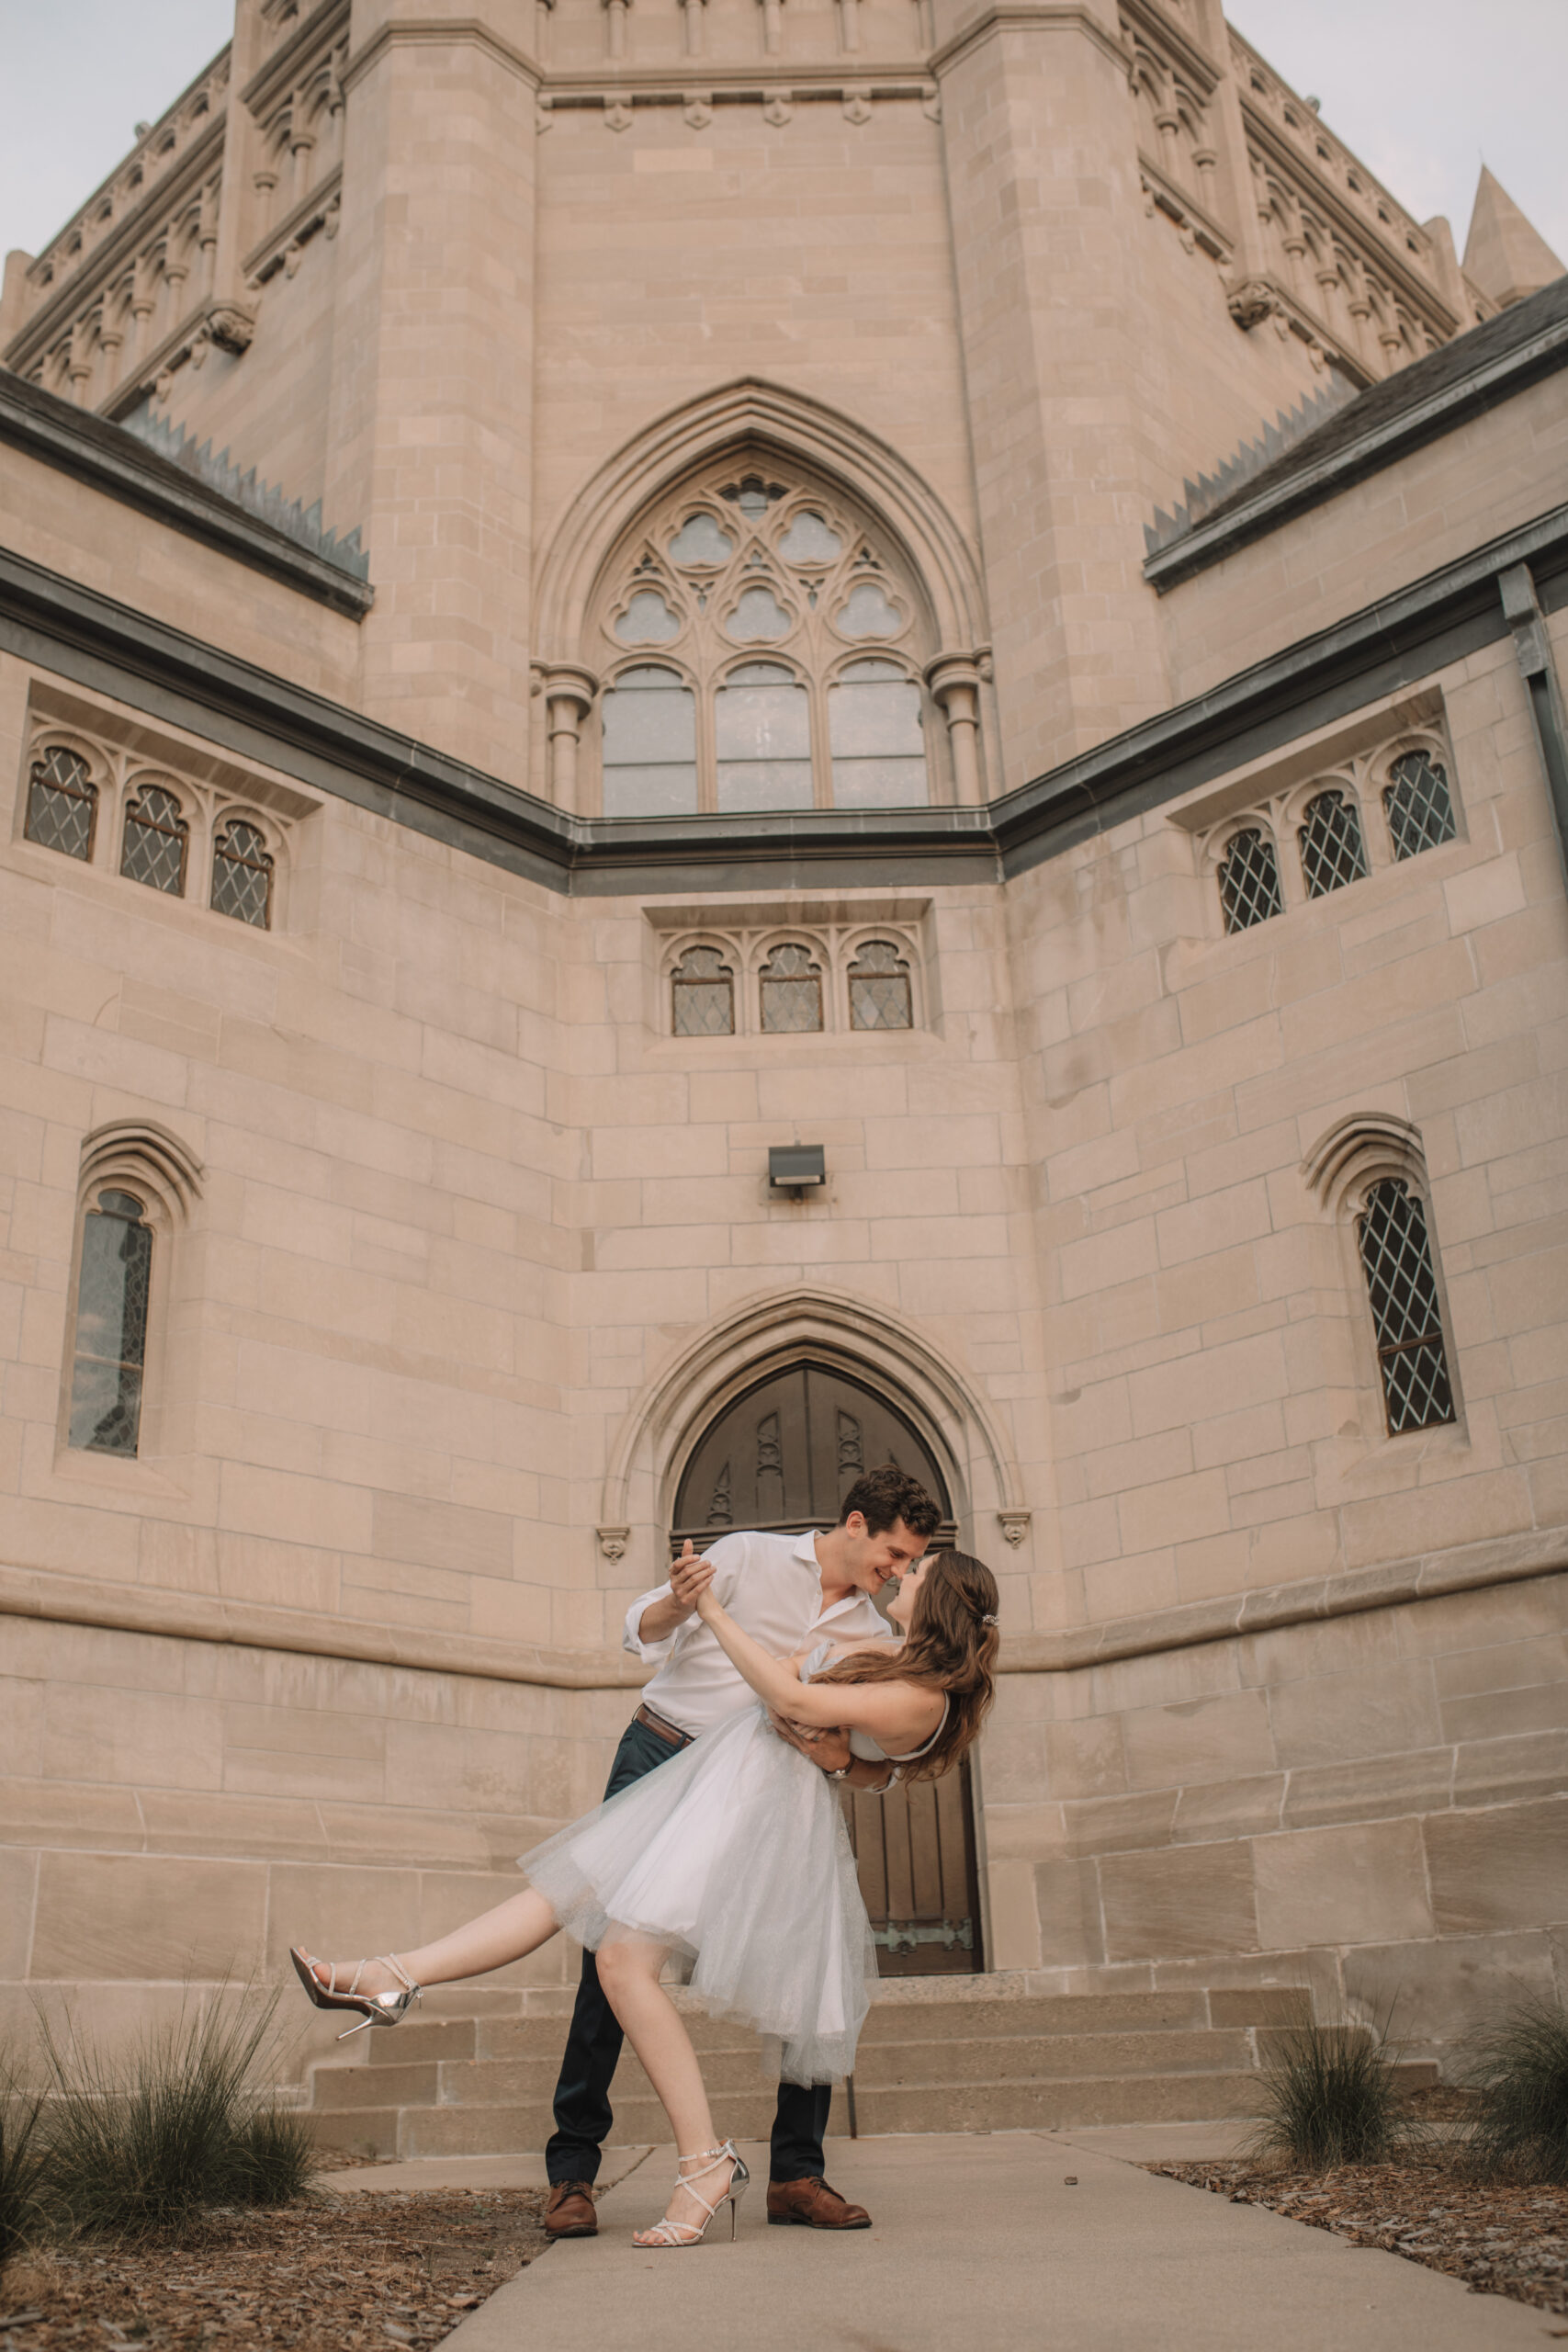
point(62, 802)
point(879, 988)
point(242, 874)
point(1250, 879)
point(1333, 852)
point(1418, 804)
point(702, 990)
point(111, 1326)
point(1402, 1290)
point(156, 836)
point(800, 639)
point(791, 985)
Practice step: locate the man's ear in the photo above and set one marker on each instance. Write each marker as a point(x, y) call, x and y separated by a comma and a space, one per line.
point(855, 1523)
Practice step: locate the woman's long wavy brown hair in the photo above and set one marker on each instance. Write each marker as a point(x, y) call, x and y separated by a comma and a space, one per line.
point(950, 1647)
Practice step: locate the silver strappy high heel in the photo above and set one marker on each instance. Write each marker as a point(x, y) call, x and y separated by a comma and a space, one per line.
point(375, 2008)
point(669, 2233)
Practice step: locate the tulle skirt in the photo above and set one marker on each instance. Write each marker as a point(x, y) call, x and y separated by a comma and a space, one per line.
point(733, 1854)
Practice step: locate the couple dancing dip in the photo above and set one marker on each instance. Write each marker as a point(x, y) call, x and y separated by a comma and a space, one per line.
point(721, 1843)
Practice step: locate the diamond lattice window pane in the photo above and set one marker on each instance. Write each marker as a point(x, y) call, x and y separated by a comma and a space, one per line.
point(879, 988)
point(1333, 852)
point(1418, 804)
point(1402, 1287)
point(155, 846)
point(111, 1327)
point(242, 876)
point(792, 991)
point(1249, 881)
point(703, 995)
point(62, 802)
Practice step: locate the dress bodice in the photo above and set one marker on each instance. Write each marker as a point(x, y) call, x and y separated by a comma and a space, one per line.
point(861, 1744)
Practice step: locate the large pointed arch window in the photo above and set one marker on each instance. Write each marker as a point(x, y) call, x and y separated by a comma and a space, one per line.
point(766, 647)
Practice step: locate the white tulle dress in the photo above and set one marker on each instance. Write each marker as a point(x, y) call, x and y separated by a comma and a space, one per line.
point(733, 1854)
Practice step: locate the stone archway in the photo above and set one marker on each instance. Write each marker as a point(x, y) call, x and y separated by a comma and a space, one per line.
point(782, 1454)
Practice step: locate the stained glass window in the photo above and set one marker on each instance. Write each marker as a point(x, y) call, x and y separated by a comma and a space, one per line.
point(156, 840)
point(1333, 852)
point(792, 989)
point(703, 995)
point(62, 803)
point(1250, 880)
point(879, 988)
point(111, 1326)
point(241, 875)
point(1418, 804)
point(1402, 1287)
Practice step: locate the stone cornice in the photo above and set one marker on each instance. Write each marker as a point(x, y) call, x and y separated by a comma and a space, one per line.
point(1030, 16)
point(441, 32)
point(1353, 225)
point(1203, 71)
point(50, 1597)
point(1471, 1567)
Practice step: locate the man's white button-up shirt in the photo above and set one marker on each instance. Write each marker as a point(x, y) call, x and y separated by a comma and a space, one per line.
point(771, 1585)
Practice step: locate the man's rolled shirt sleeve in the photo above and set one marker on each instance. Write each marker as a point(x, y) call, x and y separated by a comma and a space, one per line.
point(651, 1653)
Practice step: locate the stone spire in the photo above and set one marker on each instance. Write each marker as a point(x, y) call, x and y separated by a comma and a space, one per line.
point(1503, 256)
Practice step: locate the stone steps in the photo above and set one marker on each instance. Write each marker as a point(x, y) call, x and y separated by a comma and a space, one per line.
point(969, 2054)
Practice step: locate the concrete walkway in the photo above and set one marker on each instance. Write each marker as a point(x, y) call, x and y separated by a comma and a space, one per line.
point(980, 2245)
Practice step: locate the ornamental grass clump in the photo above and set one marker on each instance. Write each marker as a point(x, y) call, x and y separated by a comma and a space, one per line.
point(140, 2144)
point(1519, 2071)
point(1330, 2096)
point(22, 2162)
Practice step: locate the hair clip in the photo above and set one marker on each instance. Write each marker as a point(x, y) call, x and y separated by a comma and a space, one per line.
point(987, 1619)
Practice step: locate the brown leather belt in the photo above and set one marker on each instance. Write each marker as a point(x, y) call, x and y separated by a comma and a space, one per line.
point(660, 1729)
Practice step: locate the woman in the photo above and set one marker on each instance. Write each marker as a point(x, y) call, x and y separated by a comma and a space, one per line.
point(733, 1856)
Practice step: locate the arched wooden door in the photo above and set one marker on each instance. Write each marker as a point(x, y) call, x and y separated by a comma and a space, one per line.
point(781, 1456)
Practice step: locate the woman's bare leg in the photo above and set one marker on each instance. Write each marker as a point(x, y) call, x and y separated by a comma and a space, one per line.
point(514, 1929)
point(628, 1971)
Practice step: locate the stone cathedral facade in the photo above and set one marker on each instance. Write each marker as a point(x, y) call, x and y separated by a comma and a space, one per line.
point(737, 735)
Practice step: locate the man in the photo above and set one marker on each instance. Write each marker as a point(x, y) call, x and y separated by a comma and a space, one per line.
point(783, 1589)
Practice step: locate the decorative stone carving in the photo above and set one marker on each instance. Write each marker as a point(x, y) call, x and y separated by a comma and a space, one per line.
point(612, 1542)
point(779, 108)
point(1014, 1526)
point(1252, 301)
point(857, 103)
point(618, 115)
point(230, 328)
point(696, 108)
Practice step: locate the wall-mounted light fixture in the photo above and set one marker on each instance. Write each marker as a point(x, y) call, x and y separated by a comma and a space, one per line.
point(797, 1168)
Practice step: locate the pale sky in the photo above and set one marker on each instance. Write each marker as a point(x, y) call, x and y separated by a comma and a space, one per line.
point(1422, 93)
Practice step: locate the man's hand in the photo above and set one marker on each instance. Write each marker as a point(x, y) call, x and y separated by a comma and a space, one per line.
point(828, 1749)
point(689, 1579)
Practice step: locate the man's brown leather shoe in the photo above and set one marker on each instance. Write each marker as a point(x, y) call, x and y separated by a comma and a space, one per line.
point(811, 2205)
point(570, 2212)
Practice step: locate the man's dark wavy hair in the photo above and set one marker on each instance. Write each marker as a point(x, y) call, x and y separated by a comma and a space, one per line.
point(886, 1496)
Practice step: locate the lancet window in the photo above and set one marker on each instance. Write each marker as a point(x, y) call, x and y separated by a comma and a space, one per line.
point(1333, 852)
point(111, 1325)
point(156, 837)
point(1418, 804)
point(766, 649)
point(1250, 879)
point(62, 803)
point(1402, 1290)
point(242, 874)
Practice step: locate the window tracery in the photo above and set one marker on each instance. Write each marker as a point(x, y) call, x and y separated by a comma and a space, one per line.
point(159, 826)
point(762, 601)
point(764, 980)
point(1405, 780)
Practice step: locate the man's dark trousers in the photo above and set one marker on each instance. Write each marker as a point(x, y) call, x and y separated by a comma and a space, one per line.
point(584, 2114)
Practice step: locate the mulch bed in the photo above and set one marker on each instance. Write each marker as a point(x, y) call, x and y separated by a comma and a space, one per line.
point(335, 2273)
point(1500, 2241)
